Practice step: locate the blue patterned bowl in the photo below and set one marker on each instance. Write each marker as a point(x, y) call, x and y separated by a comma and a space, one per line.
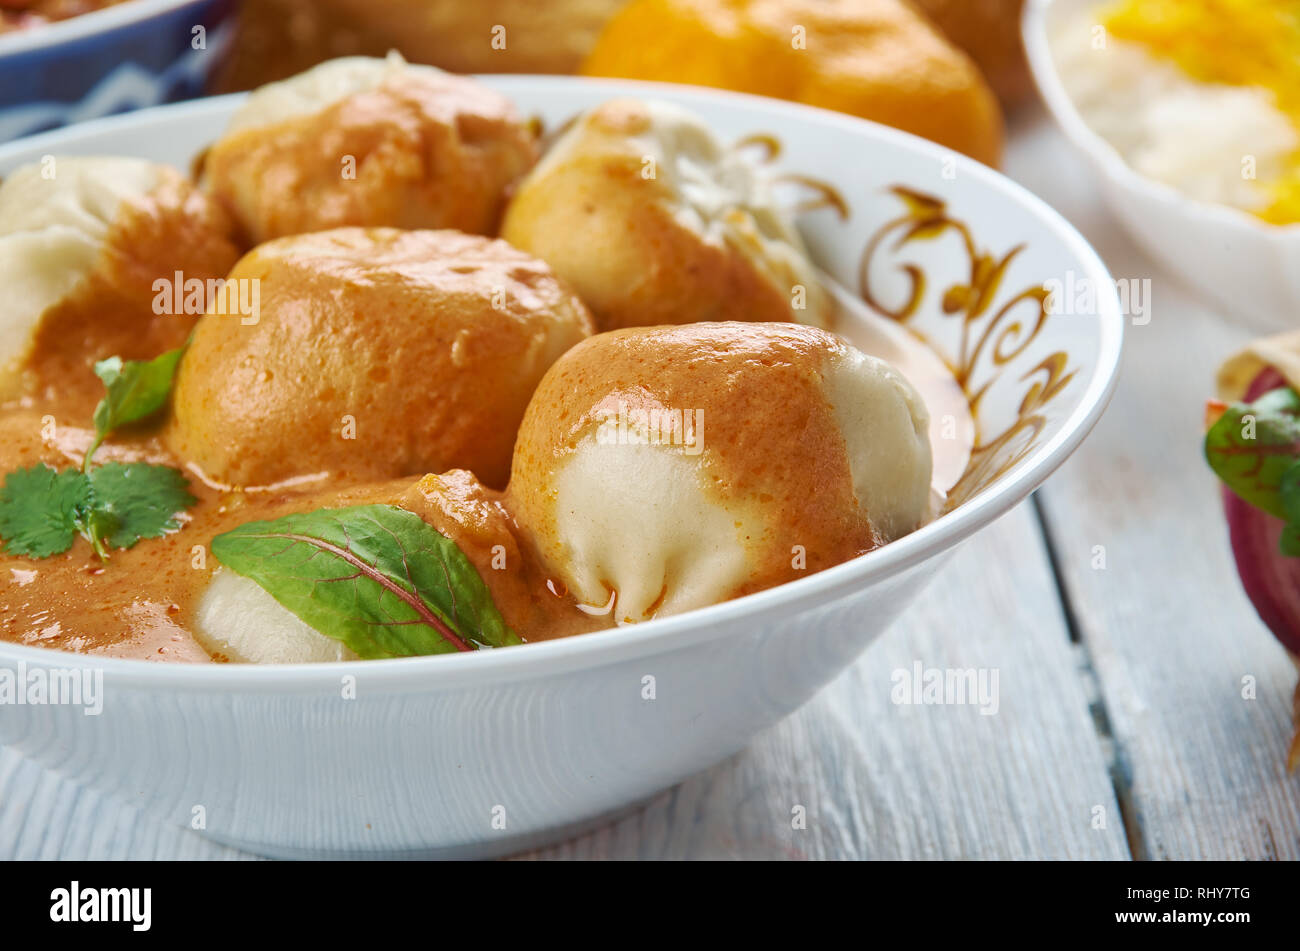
point(135, 54)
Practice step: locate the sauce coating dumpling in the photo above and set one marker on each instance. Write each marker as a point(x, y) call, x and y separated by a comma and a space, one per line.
point(364, 141)
point(653, 221)
point(376, 353)
point(82, 243)
point(666, 468)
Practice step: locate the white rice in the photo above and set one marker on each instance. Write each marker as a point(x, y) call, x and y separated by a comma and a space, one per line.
point(1216, 143)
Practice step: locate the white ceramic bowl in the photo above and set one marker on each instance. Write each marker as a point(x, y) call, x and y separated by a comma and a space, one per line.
point(434, 755)
point(1250, 269)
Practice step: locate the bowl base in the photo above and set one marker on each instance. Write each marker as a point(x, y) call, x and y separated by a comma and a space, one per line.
point(486, 849)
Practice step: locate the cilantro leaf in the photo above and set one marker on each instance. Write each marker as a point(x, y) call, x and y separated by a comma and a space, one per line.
point(42, 509)
point(137, 500)
point(1253, 446)
point(136, 389)
point(376, 577)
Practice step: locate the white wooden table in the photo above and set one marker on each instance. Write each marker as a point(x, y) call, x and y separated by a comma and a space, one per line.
point(1122, 731)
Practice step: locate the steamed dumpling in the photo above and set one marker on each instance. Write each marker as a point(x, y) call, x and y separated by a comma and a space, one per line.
point(376, 353)
point(83, 243)
point(667, 468)
point(653, 221)
point(365, 141)
point(237, 620)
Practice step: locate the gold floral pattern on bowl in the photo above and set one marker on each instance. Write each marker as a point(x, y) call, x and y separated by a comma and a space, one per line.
point(990, 335)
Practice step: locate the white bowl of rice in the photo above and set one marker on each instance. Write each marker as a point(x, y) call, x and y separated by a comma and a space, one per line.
point(1186, 166)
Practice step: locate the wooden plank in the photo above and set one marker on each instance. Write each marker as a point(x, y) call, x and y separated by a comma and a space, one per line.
point(878, 780)
point(43, 816)
point(1166, 625)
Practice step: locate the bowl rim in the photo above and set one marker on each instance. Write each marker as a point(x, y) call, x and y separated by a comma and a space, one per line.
point(1106, 158)
point(76, 28)
point(692, 628)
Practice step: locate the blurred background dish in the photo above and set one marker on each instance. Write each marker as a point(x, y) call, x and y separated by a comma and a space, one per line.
point(27, 14)
point(1193, 135)
point(876, 59)
point(127, 55)
point(940, 69)
point(278, 38)
point(915, 66)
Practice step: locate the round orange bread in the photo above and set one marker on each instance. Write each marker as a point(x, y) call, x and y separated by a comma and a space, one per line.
point(989, 32)
point(878, 59)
